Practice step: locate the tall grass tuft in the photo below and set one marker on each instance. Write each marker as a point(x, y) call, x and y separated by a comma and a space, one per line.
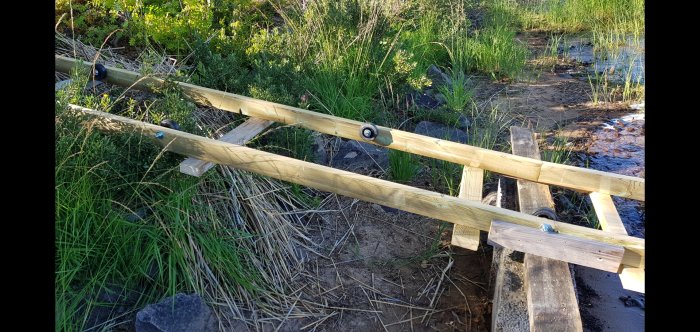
point(403, 166)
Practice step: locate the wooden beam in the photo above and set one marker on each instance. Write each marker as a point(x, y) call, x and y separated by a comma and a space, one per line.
point(551, 298)
point(423, 202)
point(239, 135)
point(632, 278)
point(470, 188)
point(582, 179)
point(551, 302)
point(560, 247)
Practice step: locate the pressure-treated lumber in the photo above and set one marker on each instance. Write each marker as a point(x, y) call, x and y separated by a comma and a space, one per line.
point(411, 199)
point(551, 301)
point(632, 278)
point(510, 165)
point(559, 247)
point(239, 135)
point(470, 188)
point(551, 298)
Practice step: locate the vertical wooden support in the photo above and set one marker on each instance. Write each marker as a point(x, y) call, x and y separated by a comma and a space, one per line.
point(470, 188)
point(632, 278)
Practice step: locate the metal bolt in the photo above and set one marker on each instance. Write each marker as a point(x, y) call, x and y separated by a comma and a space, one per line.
point(160, 135)
point(547, 228)
point(369, 131)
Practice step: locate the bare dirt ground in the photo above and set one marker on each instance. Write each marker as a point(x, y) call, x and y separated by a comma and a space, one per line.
point(396, 271)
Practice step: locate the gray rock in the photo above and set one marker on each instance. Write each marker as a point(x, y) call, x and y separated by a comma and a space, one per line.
point(111, 301)
point(138, 214)
point(93, 84)
point(63, 84)
point(360, 156)
point(428, 99)
point(463, 122)
point(179, 313)
point(441, 131)
point(320, 153)
point(440, 98)
point(438, 77)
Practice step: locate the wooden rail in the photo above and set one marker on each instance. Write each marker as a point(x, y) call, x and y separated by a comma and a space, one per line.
point(530, 169)
point(427, 203)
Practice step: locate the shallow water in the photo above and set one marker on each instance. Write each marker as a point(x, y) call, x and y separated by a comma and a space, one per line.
point(628, 58)
point(618, 147)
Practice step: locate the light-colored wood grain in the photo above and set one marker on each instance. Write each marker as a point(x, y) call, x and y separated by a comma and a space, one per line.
point(504, 163)
point(632, 278)
point(470, 188)
point(551, 302)
point(239, 135)
point(423, 202)
point(551, 298)
point(560, 247)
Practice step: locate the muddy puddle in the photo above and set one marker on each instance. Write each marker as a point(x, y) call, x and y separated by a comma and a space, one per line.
point(623, 63)
point(617, 146)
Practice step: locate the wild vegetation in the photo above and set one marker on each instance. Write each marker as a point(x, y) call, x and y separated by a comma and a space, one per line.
point(125, 216)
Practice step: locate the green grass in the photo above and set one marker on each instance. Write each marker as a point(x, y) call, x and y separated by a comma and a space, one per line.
point(557, 151)
point(403, 166)
point(585, 15)
point(99, 182)
point(127, 221)
point(459, 94)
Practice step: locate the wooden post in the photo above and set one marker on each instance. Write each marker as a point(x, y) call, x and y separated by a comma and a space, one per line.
point(470, 188)
point(531, 169)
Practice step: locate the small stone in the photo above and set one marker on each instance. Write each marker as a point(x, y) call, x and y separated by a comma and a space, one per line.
point(92, 84)
point(138, 214)
point(358, 156)
point(179, 313)
point(62, 84)
point(438, 77)
point(463, 122)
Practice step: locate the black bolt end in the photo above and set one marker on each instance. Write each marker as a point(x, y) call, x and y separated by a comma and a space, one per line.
point(170, 124)
point(100, 72)
point(369, 131)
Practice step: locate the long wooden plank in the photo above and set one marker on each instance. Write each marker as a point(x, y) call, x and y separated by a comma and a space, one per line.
point(551, 298)
point(551, 301)
point(560, 247)
point(423, 202)
point(507, 164)
point(239, 135)
point(470, 188)
point(632, 278)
